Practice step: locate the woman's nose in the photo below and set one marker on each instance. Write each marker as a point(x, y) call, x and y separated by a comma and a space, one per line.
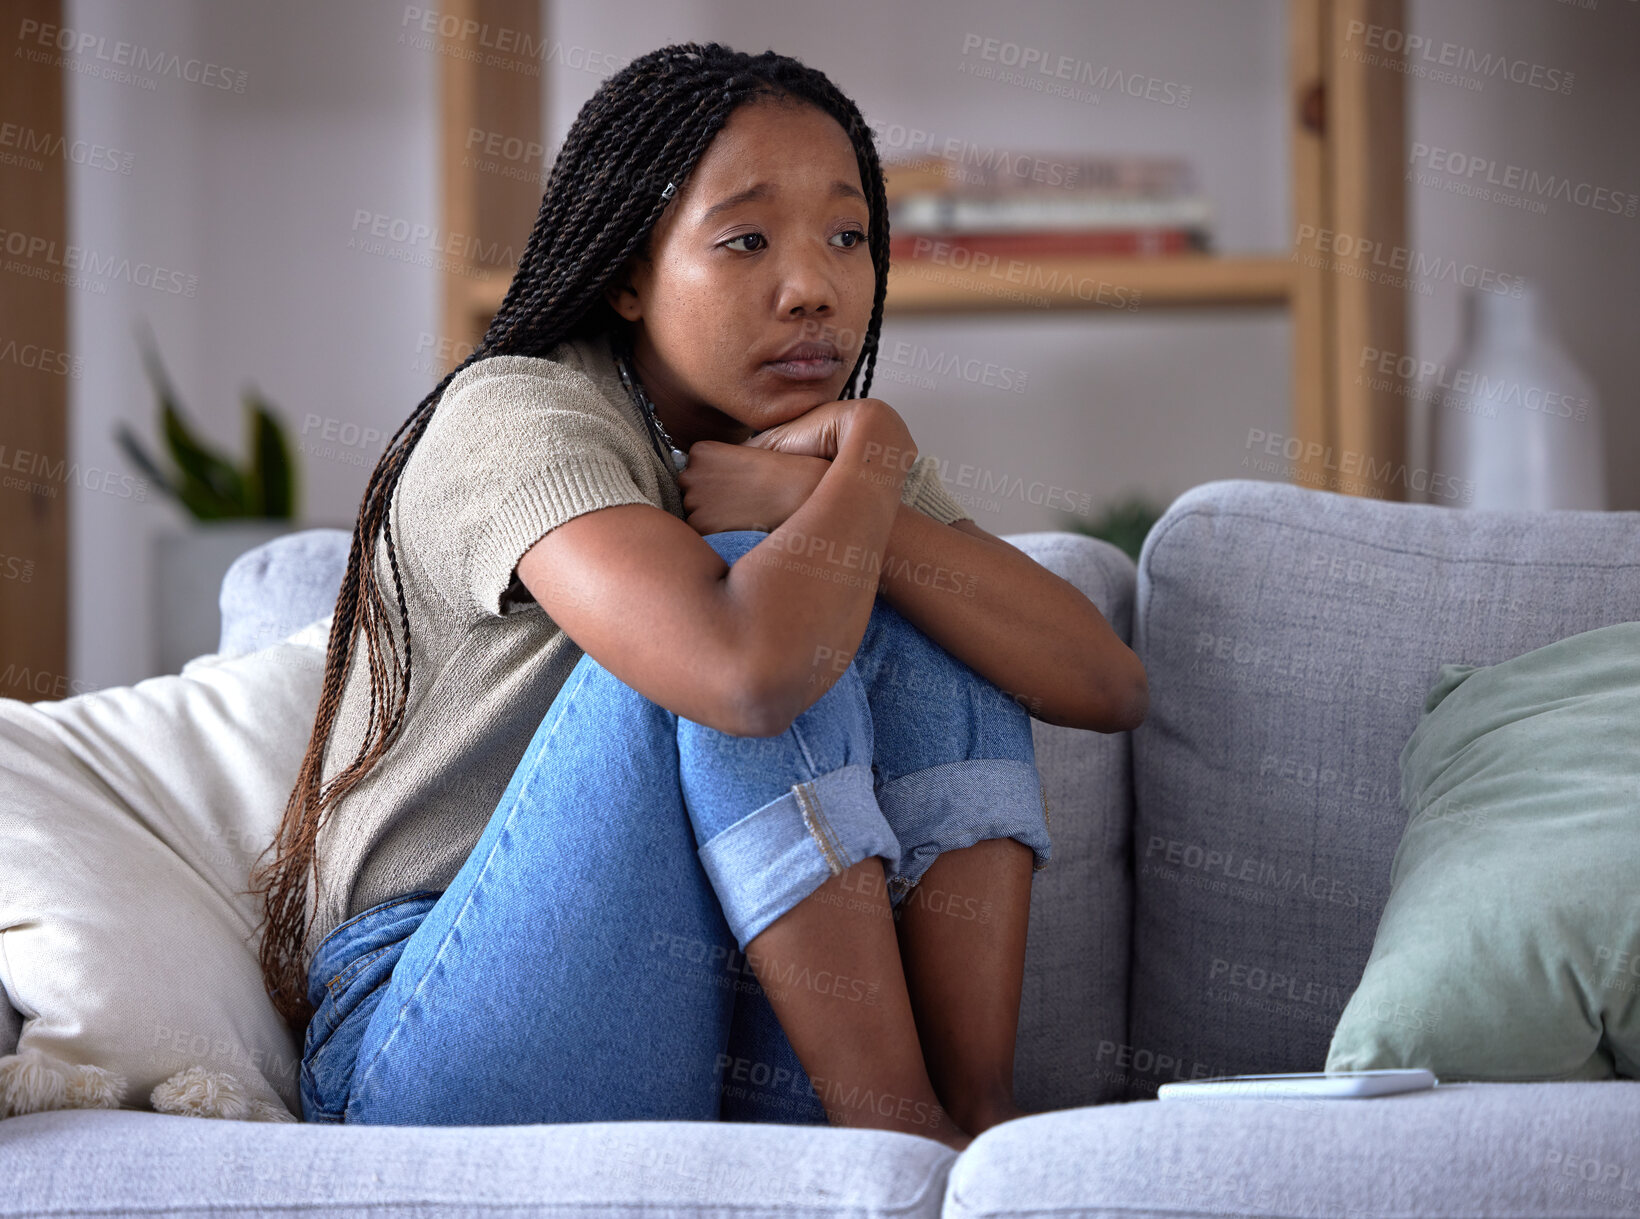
point(806, 283)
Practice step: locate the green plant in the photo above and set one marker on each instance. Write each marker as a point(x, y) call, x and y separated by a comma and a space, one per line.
point(207, 484)
point(1123, 522)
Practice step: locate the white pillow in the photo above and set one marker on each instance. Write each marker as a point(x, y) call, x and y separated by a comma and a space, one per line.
point(131, 818)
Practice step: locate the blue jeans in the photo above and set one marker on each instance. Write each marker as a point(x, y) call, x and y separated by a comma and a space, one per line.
point(587, 962)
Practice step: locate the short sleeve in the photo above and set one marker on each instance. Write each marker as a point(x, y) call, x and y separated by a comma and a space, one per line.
point(925, 491)
point(507, 457)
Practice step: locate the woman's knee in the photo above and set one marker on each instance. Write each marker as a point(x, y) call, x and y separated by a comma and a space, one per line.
point(897, 664)
point(928, 707)
point(844, 701)
point(731, 544)
point(897, 654)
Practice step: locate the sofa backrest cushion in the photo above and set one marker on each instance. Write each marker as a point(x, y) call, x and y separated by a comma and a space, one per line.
point(273, 590)
point(1290, 637)
point(1073, 1009)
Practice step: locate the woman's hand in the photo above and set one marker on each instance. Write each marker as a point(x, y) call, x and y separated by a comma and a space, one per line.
point(760, 482)
point(819, 431)
point(745, 486)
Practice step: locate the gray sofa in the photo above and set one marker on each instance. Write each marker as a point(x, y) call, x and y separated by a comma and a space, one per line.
point(1216, 884)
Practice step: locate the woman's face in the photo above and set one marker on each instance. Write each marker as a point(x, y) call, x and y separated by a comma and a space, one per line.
point(733, 281)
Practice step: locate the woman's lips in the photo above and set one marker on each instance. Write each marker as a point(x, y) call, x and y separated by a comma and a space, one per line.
point(805, 370)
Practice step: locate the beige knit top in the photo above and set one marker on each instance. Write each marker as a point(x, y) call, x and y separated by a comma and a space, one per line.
point(516, 445)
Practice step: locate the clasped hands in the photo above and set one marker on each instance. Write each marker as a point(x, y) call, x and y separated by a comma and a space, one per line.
point(760, 482)
point(739, 486)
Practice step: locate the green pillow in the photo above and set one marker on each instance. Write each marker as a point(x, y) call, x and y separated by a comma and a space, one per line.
point(1510, 945)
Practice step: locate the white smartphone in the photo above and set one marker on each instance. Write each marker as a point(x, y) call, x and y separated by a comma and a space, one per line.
point(1337, 1085)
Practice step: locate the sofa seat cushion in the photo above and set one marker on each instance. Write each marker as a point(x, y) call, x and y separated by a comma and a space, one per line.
point(1495, 1150)
point(126, 1162)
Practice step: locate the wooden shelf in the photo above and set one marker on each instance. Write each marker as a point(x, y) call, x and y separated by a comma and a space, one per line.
point(1028, 285)
point(1173, 281)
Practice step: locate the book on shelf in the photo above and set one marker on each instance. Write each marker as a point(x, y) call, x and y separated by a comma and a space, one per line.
point(1067, 243)
point(953, 214)
point(1044, 205)
point(1003, 173)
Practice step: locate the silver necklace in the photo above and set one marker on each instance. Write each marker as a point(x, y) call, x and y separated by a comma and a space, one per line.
point(634, 388)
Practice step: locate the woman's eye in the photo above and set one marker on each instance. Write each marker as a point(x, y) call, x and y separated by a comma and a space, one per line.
point(857, 234)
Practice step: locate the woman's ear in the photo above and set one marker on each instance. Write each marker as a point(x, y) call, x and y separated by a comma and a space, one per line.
point(623, 300)
point(622, 294)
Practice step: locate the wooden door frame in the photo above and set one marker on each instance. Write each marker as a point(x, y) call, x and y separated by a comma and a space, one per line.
point(35, 369)
point(492, 157)
point(1347, 119)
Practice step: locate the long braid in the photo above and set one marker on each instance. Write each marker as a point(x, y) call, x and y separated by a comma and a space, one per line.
point(644, 126)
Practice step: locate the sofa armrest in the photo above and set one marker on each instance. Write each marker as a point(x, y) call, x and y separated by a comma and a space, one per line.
point(1073, 1013)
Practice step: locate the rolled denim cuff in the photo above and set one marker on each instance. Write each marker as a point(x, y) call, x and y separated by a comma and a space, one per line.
point(775, 856)
point(948, 807)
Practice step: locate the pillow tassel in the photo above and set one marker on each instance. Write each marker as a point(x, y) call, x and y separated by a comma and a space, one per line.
point(32, 1081)
point(197, 1092)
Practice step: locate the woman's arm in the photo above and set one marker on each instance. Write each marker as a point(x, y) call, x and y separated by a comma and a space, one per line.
point(806, 591)
point(739, 648)
point(985, 601)
point(1014, 622)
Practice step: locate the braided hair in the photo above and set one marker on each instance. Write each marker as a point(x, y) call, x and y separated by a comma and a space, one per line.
point(645, 126)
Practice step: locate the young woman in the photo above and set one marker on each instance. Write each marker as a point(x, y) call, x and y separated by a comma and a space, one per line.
point(710, 794)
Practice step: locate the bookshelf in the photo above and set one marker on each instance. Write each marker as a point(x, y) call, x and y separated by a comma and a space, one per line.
point(1345, 126)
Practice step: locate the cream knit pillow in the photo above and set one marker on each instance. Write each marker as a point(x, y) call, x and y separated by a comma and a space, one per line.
point(131, 818)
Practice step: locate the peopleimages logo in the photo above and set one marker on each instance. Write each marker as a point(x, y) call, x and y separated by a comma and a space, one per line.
point(1274, 983)
point(1236, 867)
point(94, 53)
point(37, 255)
point(29, 141)
point(1470, 390)
point(1041, 69)
point(40, 474)
point(964, 160)
point(1396, 266)
point(1292, 449)
point(1422, 53)
point(1517, 178)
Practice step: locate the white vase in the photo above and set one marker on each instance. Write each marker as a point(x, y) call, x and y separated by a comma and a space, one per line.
point(187, 570)
point(1514, 422)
